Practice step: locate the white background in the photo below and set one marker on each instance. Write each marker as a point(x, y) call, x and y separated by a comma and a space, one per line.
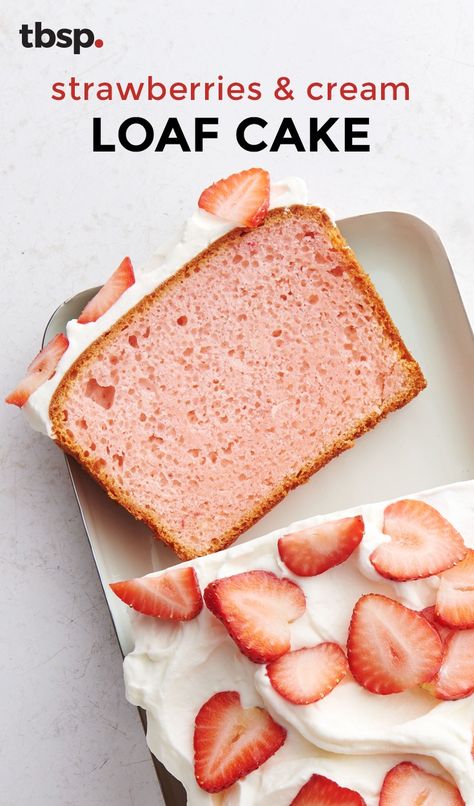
point(67, 737)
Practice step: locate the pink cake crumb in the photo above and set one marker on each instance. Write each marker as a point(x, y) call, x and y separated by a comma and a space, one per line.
point(262, 359)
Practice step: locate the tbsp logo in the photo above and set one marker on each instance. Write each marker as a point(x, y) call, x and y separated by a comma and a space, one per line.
point(39, 37)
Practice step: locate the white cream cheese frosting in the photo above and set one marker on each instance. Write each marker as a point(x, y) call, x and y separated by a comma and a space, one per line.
point(351, 735)
point(199, 231)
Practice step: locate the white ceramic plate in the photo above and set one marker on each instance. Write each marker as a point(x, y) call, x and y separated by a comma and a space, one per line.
point(428, 443)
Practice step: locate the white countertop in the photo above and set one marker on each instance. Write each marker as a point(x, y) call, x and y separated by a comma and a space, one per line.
point(68, 737)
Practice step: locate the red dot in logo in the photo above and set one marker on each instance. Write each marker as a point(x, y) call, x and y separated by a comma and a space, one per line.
point(98, 43)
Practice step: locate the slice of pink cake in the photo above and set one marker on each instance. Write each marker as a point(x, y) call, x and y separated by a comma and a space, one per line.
point(235, 380)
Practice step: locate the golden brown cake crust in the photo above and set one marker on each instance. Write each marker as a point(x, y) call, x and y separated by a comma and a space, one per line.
point(415, 384)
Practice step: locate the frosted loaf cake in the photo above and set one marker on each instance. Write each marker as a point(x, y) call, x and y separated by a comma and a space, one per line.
point(391, 725)
point(199, 396)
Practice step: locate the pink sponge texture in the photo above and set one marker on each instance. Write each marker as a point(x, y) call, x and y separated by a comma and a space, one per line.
point(235, 380)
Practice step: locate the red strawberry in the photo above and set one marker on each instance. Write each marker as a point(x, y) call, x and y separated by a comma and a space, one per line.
point(231, 741)
point(309, 674)
point(257, 608)
point(455, 679)
point(408, 784)
point(318, 548)
point(422, 542)
point(390, 647)
point(455, 597)
point(121, 279)
point(241, 198)
point(40, 370)
point(321, 791)
point(173, 595)
point(429, 614)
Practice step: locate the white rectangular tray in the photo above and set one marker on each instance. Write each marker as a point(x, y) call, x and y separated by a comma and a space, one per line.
point(428, 443)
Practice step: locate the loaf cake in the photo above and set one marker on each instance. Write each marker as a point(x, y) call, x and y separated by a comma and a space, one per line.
point(285, 684)
point(237, 377)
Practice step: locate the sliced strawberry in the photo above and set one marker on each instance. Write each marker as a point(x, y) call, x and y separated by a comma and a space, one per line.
point(257, 608)
point(429, 613)
point(422, 542)
point(22, 392)
point(241, 198)
point(455, 679)
point(321, 791)
point(231, 741)
point(48, 358)
point(390, 647)
point(173, 595)
point(309, 674)
point(121, 279)
point(408, 784)
point(455, 597)
point(318, 548)
point(40, 370)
